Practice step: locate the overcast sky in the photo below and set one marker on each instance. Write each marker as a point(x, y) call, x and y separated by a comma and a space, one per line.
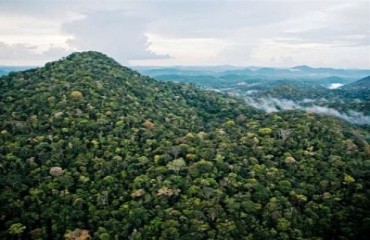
point(328, 33)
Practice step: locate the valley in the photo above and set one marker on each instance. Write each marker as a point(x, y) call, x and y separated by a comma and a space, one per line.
point(343, 93)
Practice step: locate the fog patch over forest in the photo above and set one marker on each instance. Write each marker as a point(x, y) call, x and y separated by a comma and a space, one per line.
point(335, 85)
point(270, 104)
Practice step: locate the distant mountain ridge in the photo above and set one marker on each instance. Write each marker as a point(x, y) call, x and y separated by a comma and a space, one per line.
point(294, 72)
point(7, 69)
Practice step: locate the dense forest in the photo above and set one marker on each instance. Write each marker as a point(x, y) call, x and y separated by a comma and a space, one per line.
point(343, 90)
point(92, 149)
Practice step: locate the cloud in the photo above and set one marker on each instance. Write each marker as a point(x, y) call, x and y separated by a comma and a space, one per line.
point(272, 53)
point(28, 55)
point(270, 105)
point(120, 34)
point(273, 33)
point(335, 85)
point(340, 24)
point(250, 32)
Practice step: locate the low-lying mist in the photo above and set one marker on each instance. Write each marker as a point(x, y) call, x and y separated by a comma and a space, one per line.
point(270, 104)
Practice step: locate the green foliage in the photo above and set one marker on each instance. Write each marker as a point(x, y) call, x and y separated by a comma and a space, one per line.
point(265, 131)
point(133, 158)
point(76, 95)
point(348, 179)
point(17, 229)
point(176, 165)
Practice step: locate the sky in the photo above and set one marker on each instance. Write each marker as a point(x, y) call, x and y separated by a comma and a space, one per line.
point(325, 33)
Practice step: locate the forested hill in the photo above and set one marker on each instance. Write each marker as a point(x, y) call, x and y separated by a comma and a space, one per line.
point(91, 148)
point(360, 85)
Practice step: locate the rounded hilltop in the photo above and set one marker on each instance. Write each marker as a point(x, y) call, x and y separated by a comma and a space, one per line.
point(89, 59)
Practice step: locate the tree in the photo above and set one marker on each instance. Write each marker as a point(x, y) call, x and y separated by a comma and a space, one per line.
point(148, 124)
point(76, 95)
point(176, 165)
point(16, 229)
point(77, 234)
point(265, 131)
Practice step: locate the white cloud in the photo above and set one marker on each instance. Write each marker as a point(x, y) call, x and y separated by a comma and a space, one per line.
point(335, 85)
point(273, 53)
point(270, 105)
point(120, 34)
point(280, 33)
point(28, 55)
point(187, 51)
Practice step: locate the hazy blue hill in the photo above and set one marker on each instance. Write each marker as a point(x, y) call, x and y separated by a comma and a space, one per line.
point(186, 70)
point(334, 79)
point(359, 91)
point(328, 72)
point(160, 71)
point(303, 68)
point(239, 72)
point(299, 73)
point(272, 71)
point(360, 85)
point(7, 69)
